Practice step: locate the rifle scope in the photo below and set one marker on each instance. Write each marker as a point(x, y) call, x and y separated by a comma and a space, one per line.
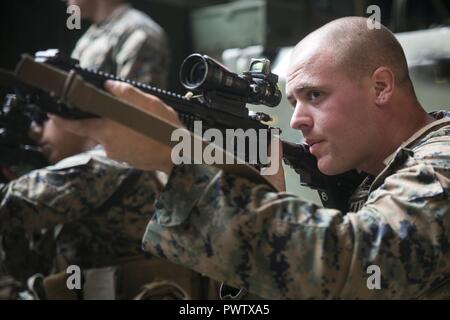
point(258, 85)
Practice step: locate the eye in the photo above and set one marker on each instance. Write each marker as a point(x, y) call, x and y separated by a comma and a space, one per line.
point(313, 95)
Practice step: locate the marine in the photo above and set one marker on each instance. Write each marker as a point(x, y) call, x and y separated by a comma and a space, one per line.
point(356, 107)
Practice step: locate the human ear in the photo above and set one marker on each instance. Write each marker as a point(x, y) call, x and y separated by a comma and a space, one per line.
point(383, 80)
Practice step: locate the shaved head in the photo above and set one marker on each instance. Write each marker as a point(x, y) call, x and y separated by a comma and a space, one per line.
point(353, 100)
point(357, 49)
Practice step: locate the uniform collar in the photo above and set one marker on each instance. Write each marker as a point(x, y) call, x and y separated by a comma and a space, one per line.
point(403, 151)
point(415, 137)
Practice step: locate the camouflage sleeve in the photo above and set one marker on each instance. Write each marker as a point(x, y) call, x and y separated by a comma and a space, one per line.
point(278, 246)
point(144, 57)
point(56, 194)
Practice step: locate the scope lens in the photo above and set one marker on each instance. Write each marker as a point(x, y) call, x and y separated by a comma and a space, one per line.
point(197, 73)
point(193, 72)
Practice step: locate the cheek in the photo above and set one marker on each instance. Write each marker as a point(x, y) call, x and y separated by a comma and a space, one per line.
point(50, 133)
point(330, 122)
point(346, 109)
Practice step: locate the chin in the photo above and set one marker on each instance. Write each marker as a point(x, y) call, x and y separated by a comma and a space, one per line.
point(330, 168)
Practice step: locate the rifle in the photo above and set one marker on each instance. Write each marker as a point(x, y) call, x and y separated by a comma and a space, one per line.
point(60, 85)
point(18, 152)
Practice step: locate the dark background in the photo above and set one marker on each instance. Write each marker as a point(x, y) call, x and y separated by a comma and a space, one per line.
point(32, 25)
point(27, 26)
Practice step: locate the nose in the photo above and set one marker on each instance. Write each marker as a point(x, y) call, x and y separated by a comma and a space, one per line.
point(36, 131)
point(301, 118)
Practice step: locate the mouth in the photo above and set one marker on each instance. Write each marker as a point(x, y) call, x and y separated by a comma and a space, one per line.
point(313, 142)
point(313, 145)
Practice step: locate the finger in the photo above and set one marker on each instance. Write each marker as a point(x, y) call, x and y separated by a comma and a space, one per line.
point(142, 100)
point(129, 93)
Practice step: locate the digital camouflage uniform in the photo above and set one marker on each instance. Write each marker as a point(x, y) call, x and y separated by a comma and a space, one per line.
point(102, 206)
point(88, 210)
point(278, 246)
point(127, 44)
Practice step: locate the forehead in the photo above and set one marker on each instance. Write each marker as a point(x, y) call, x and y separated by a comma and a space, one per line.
point(311, 66)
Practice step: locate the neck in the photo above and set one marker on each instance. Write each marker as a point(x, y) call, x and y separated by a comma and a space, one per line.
point(104, 10)
point(398, 132)
point(89, 145)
